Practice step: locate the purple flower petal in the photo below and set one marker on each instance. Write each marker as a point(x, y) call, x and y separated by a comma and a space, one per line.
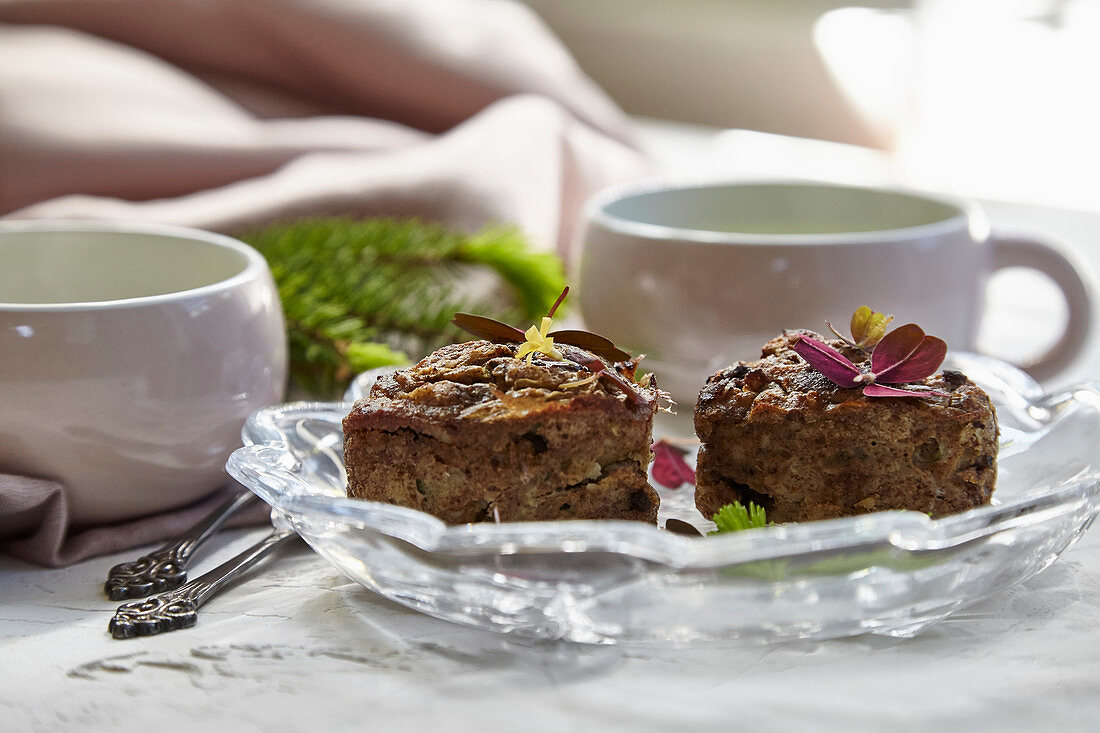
point(906, 354)
point(922, 363)
point(827, 360)
point(895, 347)
point(881, 390)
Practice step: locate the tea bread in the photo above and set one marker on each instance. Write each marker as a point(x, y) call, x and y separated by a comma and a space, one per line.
point(778, 433)
point(472, 433)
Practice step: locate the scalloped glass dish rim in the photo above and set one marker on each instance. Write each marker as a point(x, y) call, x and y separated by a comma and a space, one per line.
point(267, 466)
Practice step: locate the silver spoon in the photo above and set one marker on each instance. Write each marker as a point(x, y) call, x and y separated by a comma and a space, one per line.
point(178, 609)
point(166, 568)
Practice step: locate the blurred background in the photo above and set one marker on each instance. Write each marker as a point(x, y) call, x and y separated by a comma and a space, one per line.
point(232, 115)
point(991, 98)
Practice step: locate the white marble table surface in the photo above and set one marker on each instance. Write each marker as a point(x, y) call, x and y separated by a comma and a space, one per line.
point(297, 647)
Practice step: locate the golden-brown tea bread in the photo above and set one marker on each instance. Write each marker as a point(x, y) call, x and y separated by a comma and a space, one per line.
point(778, 433)
point(471, 433)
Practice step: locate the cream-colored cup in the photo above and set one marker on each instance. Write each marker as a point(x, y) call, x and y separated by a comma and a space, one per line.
point(700, 276)
point(130, 357)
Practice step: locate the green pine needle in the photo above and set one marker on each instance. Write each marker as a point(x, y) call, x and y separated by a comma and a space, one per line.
point(359, 294)
point(735, 517)
point(537, 280)
point(363, 356)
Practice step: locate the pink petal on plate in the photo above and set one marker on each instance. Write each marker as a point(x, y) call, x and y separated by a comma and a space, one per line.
point(906, 354)
point(827, 360)
point(881, 390)
point(669, 467)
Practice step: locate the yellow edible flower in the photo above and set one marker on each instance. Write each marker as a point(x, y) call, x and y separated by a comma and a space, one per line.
point(537, 340)
point(868, 327)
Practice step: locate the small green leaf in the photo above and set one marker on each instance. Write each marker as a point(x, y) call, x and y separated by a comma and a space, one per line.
point(735, 517)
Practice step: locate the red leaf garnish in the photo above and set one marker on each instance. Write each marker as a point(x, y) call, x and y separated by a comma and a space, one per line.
point(881, 390)
point(596, 366)
point(488, 328)
point(493, 330)
point(593, 342)
point(906, 354)
point(669, 467)
point(827, 360)
point(554, 308)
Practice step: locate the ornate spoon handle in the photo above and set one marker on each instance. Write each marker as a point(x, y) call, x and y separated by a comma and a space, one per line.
point(166, 568)
point(178, 609)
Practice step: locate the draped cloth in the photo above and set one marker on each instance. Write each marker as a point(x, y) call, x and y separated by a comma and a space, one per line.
point(227, 114)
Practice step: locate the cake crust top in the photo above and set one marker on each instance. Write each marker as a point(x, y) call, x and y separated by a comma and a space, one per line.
point(482, 380)
point(782, 382)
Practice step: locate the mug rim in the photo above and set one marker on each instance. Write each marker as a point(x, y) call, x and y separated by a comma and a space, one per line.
point(255, 264)
point(968, 216)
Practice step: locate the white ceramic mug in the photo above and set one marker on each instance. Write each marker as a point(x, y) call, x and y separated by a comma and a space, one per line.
point(700, 276)
point(130, 357)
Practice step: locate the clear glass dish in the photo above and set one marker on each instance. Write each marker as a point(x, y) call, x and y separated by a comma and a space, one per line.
point(890, 573)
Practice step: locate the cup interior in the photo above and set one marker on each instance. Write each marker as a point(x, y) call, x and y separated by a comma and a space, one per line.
point(42, 266)
point(777, 209)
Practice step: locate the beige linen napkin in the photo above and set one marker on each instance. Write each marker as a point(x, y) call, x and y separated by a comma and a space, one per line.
point(223, 114)
point(41, 504)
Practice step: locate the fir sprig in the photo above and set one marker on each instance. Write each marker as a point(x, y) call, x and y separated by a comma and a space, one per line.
point(359, 294)
point(735, 517)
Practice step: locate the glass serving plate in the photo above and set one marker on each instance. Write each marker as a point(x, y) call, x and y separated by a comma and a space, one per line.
point(890, 573)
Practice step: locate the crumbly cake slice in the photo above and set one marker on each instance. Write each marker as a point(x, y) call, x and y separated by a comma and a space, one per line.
point(472, 434)
point(778, 433)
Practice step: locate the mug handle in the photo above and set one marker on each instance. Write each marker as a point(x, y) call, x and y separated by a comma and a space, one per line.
point(1074, 279)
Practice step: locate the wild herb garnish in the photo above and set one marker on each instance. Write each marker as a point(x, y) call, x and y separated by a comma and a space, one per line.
point(538, 340)
point(735, 517)
point(906, 354)
point(588, 347)
point(359, 294)
point(867, 326)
